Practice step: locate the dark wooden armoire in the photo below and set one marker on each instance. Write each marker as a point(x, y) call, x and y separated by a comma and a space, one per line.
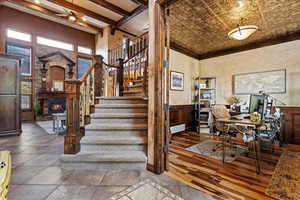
point(10, 121)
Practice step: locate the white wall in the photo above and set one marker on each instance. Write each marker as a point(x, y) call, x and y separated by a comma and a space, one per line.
point(281, 56)
point(190, 67)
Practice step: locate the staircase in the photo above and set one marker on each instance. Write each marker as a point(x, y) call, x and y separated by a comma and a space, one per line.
point(116, 132)
point(116, 138)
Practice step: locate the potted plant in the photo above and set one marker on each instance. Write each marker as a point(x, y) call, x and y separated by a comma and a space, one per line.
point(236, 103)
point(37, 110)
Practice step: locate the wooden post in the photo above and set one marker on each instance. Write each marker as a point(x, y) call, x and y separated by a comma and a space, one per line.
point(73, 135)
point(70, 72)
point(120, 76)
point(44, 75)
point(98, 76)
point(156, 114)
point(127, 48)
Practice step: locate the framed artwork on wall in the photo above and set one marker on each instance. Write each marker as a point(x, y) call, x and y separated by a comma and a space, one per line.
point(176, 81)
point(272, 82)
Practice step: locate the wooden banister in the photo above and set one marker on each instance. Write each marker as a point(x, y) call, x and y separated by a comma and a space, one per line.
point(120, 76)
point(73, 135)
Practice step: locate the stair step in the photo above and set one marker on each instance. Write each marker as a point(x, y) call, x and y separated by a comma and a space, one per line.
point(123, 100)
point(113, 140)
point(106, 156)
point(123, 133)
point(119, 115)
point(116, 127)
point(105, 160)
point(130, 118)
point(121, 106)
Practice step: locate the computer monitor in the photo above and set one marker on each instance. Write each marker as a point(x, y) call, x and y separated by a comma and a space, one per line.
point(257, 104)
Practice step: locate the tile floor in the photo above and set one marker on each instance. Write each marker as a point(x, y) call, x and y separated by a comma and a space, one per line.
point(37, 174)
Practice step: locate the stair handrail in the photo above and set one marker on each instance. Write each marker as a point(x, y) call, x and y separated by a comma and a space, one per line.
point(127, 49)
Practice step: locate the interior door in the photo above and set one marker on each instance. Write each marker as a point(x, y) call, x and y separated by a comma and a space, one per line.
point(9, 95)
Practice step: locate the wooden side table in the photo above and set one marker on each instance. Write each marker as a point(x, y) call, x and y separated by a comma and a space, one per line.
point(59, 123)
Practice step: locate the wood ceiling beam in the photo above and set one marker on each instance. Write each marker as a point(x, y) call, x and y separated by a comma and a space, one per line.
point(84, 11)
point(111, 7)
point(51, 13)
point(142, 2)
point(134, 13)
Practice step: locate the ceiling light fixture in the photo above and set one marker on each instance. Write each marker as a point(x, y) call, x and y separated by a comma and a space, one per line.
point(242, 32)
point(37, 1)
point(83, 18)
point(72, 18)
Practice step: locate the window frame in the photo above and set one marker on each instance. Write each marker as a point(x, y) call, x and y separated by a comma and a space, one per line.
point(81, 57)
point(11, 29)
point(65, 49)
point(88, 54)
point(8, 43)
point(30, 96)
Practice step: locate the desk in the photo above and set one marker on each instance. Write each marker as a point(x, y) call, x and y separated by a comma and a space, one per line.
point(245, 122)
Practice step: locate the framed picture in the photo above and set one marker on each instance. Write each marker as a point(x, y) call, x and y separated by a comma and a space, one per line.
point(177, 81)
point(58, 86)
point(272, 82)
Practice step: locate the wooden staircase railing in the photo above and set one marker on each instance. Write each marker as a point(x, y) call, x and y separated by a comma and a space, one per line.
point(131, 59)
point(125, 65)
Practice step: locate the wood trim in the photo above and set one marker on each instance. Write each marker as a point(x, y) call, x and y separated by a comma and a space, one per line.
point(133, 14)
point(79, 9)
point(126, 32)
point(166, 3)
point(255, 45)
point(156, 88)
point(183, 114)
point(140, 2)
point(51, 13)
point(176, 47)
point(111, 7)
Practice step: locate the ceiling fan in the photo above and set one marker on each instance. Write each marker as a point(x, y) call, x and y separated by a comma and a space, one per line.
point(71, 15)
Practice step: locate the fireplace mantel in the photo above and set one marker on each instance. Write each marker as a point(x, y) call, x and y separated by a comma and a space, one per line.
point(50, 94)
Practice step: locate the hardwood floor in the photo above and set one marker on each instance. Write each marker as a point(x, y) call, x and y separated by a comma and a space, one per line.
point(236, 180)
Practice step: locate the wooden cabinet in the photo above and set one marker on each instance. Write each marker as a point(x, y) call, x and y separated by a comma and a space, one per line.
point(10, 122)
point(291, 124)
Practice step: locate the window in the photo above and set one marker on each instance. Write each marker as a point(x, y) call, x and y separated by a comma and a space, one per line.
point(25, 53)
point(26, 95)
point(84, 50)
point(18, 35)
point(54, 43)
point(82, 65)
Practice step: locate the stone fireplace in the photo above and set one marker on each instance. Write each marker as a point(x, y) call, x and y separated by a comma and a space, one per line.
point(55, 69)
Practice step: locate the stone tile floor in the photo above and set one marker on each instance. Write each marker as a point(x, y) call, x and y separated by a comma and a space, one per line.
point(37, 174)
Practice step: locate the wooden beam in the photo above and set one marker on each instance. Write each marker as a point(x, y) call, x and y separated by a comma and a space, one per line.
point(46, 11)
point(133, 14)
point(84, 11)
point(183, 50)
point(142, 2)
point(260, 44)
point(166, 3)
point(156, 88)
point(111, 7)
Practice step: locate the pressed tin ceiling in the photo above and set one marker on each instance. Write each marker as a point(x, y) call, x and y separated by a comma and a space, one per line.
point(202, 25)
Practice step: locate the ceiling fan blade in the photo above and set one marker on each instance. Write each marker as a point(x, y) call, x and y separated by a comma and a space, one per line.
point(62, 14)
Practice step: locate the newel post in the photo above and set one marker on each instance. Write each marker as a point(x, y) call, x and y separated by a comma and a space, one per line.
point(73, 135)
point(120, 76)
point(98, 76)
